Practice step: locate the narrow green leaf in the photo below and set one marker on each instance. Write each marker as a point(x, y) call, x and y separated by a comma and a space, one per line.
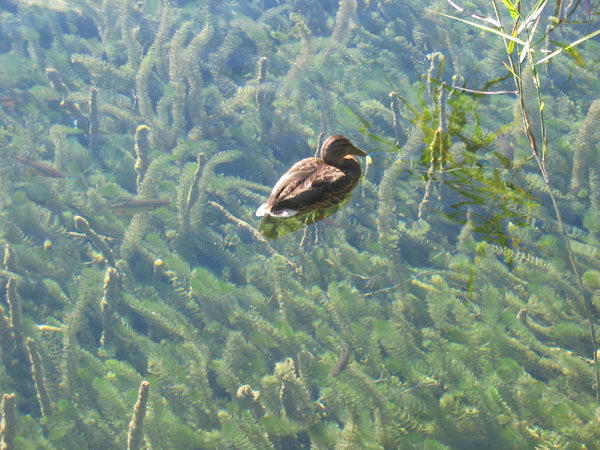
point(571, 45)
point(511, 47)
point(484, 28)
point(571, 53)
point(529, 47)
point(511, 9)
point(533, 15)
point(574, 54)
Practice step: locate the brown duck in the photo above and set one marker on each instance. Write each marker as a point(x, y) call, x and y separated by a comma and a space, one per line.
point(316, 183)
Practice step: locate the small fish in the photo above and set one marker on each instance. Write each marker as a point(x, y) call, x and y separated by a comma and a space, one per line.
point(139, 205)
point(333, 224)
point(342, 361)
point(43, 168)
point(8, 101)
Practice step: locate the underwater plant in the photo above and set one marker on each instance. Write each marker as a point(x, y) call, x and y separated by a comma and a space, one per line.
point(142, 307)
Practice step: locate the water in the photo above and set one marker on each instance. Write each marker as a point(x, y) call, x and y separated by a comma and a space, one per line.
point(437, 308)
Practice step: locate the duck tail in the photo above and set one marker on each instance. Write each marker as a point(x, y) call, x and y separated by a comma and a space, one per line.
point(262, 210)
point(265, 210)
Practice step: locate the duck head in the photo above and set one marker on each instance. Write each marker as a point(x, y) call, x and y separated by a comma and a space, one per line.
point(337, 148)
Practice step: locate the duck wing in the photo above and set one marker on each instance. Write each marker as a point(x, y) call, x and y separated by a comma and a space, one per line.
point(304, 183)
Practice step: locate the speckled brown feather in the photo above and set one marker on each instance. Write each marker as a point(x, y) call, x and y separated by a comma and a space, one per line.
point(313, 184)
point(316, 183)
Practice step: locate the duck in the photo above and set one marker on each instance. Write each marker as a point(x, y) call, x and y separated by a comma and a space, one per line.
point(315, 183)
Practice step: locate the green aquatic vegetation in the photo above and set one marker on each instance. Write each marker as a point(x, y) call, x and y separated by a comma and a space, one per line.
point(583, 142)
point(37, 372)
point(526, 81)
point(272, 227)
point(450, 155)
point(164, 321)
point(105, 74)
point(452, 342)
point(212, 292)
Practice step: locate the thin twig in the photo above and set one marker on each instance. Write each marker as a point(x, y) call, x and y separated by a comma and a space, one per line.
point(473, 91)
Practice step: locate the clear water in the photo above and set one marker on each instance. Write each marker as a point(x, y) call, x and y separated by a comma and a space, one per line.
point(442, 305)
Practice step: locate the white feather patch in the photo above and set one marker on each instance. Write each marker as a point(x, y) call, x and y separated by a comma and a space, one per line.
point(263, 210)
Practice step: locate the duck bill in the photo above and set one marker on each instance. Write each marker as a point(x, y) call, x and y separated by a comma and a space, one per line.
point(357, 151)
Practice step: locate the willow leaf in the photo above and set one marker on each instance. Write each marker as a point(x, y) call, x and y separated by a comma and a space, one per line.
point(484, 28)
point(511, 9)
point(568, 47)
point(533, 15)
